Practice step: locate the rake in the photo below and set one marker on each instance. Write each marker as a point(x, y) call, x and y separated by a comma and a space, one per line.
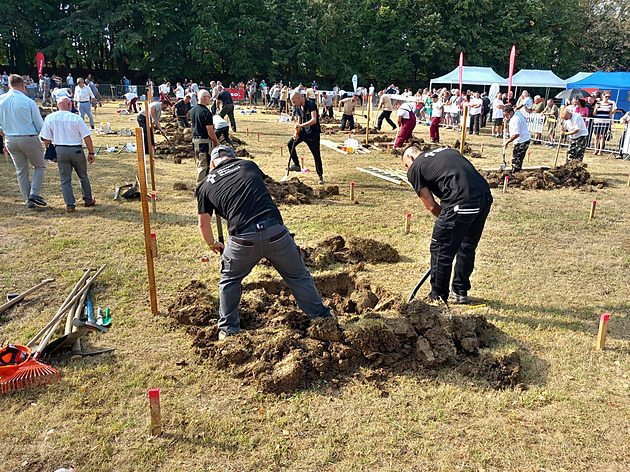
point(23, 369)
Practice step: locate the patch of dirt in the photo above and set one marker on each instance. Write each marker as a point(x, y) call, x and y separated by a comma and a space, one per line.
point(236, 140)
point(573, 174)
point(355, 250)
point(45, 112)
point(180, 186)
point(328, 120)
point(242, 152)
point(179, 145)
point(279, 349)
point(381, 139)
point(294, 192)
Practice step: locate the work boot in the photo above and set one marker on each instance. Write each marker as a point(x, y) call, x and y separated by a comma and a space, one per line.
point(295, 168)
point(224, 334)
point(459, 298)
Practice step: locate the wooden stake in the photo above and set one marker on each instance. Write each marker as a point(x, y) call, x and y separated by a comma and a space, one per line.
point(592, 214)
point(627, 184)
point(154, 250)
point(528, 153)
point(555, 161)
point(146, 220)
point(603, 329)
point(352, 192)
point(156, 416)
point(153, 204)
point(481, 149)
point(407, 223)
point(505, 183)
point(247, 132)
point(6, 158)
point(150, 138)
point(367, 128)
point(462, 138)
point(258, 136)
point(281, 152)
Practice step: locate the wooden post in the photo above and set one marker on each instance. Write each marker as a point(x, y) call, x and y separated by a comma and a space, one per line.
point(481, 152)
point(592, 214)
point(505, 183)
point(555, 161)
point(603, 329)
point(6, 158)
point(367, 128)
point(146, 220)
point(462, 138)
point(528, 153)
point(258, 136)
point(628, 184)
point(150, 141)
point(154, 249)
point(153, 204)
point(280, 152)
point(407, 223)
point(247, 132)
point(156, 416)
point(352, 192)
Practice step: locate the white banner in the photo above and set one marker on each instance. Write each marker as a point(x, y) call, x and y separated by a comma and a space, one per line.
point(535, 121)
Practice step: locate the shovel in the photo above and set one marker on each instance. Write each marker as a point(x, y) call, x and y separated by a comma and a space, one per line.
point(295, 137)
point(504, 165)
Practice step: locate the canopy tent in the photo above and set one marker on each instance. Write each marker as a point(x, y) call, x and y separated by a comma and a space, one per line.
point(537, 78)
point(578, 76)
point(617, 82)
point(471, 76)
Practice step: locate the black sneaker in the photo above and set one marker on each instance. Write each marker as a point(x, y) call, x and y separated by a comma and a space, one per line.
point(459, 298)
point(321, 180)
point(37, 200)
point(294, 168)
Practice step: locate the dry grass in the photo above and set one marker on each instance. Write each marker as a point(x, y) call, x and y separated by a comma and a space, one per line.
point(544, 272)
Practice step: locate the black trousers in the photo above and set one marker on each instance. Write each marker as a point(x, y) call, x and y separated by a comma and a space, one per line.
point(328, 111)
point(313, 144)
point(347, 119)
point(457, 232)
point(225, 133)
point(142, 122)
point(385, 115)
point(484, 118)
point(474, 124)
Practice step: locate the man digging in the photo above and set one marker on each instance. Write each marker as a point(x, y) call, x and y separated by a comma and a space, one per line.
point(465, 201)
point(236, 191)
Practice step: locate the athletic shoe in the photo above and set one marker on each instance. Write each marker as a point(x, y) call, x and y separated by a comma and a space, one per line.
point(321, 180)
point(37, 200)
point(459, 298)
point(433, 141)
point(90, 203)
point(224, 334)
point(294, 168)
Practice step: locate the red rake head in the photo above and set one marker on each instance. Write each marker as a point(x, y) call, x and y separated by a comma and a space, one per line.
point(31, 373)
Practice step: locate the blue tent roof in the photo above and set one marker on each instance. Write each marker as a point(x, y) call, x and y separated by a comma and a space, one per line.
point(471, 76)
point(604, 80)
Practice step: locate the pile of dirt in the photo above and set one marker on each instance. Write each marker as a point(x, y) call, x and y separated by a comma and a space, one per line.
point(236, 141)
point(381, 139)
point(355, 250)
point(573, 174)
point(279, 350)
point(179, 145)
point(45, 112)
point(242, 152)
point(328, 120)
point(180, 186)
point(294, 192)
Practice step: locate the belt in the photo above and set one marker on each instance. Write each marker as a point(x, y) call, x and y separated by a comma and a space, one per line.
point(68, 145)
point(201, 140)
point(19, 135)
point(87, 101)
point(259, 226)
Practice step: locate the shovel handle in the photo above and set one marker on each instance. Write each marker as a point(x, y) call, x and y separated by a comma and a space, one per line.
point(21, 296)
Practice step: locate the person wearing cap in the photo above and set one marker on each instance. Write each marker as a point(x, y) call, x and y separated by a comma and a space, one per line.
point(309, 132)
point(576, 132)
point(67, 131)
point(203, 138)
point(235, 190)
point(519, 133)
point(181, 109)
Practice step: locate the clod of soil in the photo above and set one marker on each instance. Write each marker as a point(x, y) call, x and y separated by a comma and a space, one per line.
point(294, 192)
point(180, 186)
point(381, 139)
point(326, 119)
point(573, 174)
point(279, 349)
point(242, 152)
point(236, 140)
point(45, 112)
point(355, 250)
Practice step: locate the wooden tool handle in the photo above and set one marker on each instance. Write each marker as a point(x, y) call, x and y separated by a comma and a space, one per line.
point(24, 294)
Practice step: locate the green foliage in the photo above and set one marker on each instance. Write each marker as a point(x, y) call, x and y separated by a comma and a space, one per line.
point(403, 41)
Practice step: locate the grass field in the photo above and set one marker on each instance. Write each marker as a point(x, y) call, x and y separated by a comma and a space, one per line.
point(544, 271)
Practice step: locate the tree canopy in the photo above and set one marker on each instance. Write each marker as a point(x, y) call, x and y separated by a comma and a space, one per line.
point(402, 41)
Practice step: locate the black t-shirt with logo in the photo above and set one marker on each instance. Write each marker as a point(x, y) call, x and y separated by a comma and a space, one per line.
point(235, 189)
point(305, 113)
point(448, 175)
point(201, 117)
point(182, 108)
point(225, 97)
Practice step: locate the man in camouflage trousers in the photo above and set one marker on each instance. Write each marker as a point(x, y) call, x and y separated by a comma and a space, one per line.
point(575, 130)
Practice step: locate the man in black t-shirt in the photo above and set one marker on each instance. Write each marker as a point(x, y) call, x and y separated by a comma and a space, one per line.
point(227, 105)
point(465, 201)
point(236, 191)
point(309, 131)
point(204, 138)
point(182, 107)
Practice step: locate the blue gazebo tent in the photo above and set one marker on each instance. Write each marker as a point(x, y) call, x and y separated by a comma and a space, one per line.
point(617, 82)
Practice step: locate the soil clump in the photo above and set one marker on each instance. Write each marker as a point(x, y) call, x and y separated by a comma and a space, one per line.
point(355, 250)
point(573, 174)
point(295, 192)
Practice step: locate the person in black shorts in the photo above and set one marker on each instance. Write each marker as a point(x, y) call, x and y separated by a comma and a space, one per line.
point(236, 191)
point(227, 105)
point(204, 138)
point(465, 201)
point(309, 132)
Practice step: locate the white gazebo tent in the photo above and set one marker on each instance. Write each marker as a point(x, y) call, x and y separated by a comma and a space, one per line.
point(577, 77)
point(538, 78)
point(471, 75)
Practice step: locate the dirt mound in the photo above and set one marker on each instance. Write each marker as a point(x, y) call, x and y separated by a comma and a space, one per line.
point(381, 139)
point(242, 152)
point(179, 146)
point(294, 192)
point(573, 174)
point(236, 140)
point(45, 112)
point(355, 250)
point(180, 186)
point(328, 120)
point(280, 350)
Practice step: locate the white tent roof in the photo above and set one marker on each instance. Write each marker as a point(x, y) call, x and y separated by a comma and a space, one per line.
point(471, 76)
point(579, 76)
point(537, 78)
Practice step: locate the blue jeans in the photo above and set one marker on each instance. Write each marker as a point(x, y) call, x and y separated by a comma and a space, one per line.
point(85, 108)
point(243, 251)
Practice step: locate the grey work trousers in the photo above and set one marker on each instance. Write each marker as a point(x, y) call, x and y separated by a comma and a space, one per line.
point(243, 251)
point(68, 158)
point(202, 158)
point(86, 109)
point(25, 150)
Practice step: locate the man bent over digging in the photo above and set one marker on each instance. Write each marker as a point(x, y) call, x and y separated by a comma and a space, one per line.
point(235, 190)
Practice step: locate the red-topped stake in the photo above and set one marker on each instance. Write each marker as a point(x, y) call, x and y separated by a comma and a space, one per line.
point(352, 192)
point(603, 329)
point(407, 223)
point(592, 214)
point(156, 417)
point(505, 183)
point(154, 249)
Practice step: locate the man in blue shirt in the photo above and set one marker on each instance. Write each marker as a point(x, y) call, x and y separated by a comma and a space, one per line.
point(20, 123)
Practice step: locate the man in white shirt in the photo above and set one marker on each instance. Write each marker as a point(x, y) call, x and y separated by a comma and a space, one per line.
point(179, 92)
point(221, 129)
point(525, 102)
point(59, 92)
point(519, 134)
point(575, 129)
point(475, 113)
point(497, 116)
point(83, 97)
point(165, 89)
point(406, 121)
point(131, 100)
point(67, 131)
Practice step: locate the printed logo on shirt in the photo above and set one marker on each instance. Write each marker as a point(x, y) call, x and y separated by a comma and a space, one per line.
point(222, 172)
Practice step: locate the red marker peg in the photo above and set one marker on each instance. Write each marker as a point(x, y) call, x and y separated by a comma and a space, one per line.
point(593, 203)
point(407, 223)
point(156, 417)
point(603, 329)
point(154, 248)
point(505, 183)
point(352, 192)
